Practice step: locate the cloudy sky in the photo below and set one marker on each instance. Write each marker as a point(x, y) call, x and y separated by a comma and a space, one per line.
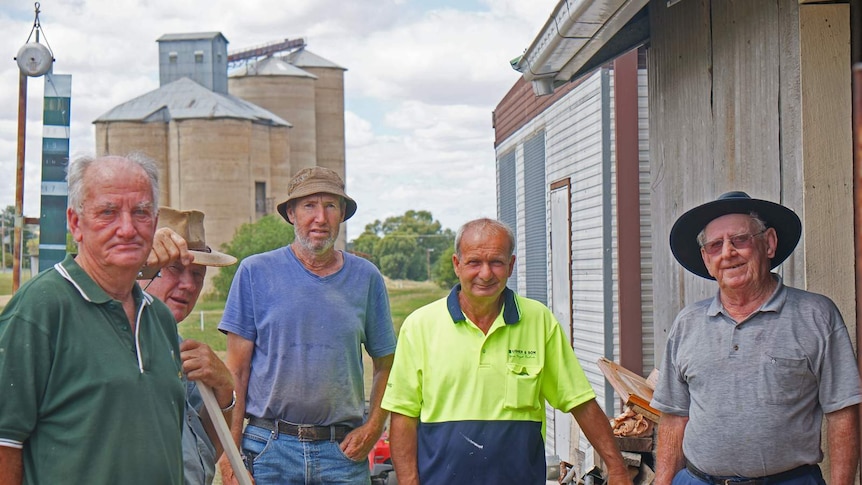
point(423, 77)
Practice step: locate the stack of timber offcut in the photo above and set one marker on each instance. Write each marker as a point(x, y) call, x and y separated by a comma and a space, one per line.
point(635, 428)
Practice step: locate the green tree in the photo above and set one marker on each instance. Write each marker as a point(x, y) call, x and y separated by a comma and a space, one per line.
point(268, 233)
point(399, 258)
point(406, 246)
point(364, 245)
point(443, 272)
point(29, 236)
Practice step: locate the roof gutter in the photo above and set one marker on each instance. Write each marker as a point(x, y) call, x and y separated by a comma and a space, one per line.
point(534, 64)
point(573, 34)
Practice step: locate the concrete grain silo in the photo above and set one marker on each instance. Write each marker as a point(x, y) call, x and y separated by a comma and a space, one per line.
point(217, 153)
point(287, 91)
point(329, 106)
point(121, 137)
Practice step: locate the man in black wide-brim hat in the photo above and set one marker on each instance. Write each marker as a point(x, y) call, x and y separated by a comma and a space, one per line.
point(748, 375)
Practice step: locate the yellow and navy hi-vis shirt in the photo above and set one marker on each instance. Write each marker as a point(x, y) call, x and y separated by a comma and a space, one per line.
point(480, 398)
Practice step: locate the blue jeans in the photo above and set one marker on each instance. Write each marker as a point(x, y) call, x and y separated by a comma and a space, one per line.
point(283, 459)
point(684, 477)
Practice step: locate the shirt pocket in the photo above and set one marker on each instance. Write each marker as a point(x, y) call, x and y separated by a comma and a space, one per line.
point(522, 387)
point(785, 379)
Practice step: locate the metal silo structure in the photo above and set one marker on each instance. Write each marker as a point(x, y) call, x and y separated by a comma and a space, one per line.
point(329, 106)
point(287, 91)
point(201, 57)
point(216, 152)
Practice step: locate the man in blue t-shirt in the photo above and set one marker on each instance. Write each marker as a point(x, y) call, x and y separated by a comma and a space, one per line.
point(296, 319)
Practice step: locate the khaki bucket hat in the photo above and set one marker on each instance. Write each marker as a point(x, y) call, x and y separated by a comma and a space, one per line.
point(316, 180)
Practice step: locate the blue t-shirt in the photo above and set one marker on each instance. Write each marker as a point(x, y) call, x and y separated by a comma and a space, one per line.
point(308, 331)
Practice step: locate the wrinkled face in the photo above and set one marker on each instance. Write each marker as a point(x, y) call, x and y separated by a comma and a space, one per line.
point(179, 287)
point(743, 268)
point(316, 220)
point(485, 263)
point(117, 220)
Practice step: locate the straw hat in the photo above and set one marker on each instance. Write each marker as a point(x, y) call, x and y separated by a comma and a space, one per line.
point(683, 235)
point(190, 225)
point(316, 180)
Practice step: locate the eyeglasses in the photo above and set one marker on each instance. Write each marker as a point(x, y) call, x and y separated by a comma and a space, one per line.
point(739, 241)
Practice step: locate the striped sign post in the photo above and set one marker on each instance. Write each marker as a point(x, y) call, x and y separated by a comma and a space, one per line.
point(55, 160)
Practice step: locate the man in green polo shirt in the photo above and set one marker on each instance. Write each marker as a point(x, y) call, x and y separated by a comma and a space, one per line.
point(472, 373)
point(90, 376)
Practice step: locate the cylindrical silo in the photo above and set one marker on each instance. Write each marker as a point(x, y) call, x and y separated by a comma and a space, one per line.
point(149, 138)
point(289, 92)
point(217, 153)
point(329, 106)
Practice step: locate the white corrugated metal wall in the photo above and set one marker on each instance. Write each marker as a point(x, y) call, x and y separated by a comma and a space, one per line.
point(579, 146)
point(647, 315)
point(576, 149)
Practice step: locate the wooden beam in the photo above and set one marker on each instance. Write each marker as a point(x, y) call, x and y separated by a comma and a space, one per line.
point(827, 153)
point(628, 210)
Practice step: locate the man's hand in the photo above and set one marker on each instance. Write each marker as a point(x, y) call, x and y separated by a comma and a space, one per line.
point(168, 246)
point(227, 474)
point(619, 476)
point(359, 442)
point(594, 425)
point(201, 364)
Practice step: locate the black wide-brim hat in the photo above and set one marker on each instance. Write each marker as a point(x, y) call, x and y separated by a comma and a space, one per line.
point(683, 234)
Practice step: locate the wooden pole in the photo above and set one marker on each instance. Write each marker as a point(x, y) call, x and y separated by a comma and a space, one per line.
point(224, 434)
point(19, 182)
point(857, 204)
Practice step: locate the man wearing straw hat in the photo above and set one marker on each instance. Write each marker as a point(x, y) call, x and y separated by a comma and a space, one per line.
point(296, 319)
point(181, 253)
point(748, 375)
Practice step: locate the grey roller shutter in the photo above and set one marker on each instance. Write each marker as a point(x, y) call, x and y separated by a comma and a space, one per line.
point(508, 201)
point(535, 223)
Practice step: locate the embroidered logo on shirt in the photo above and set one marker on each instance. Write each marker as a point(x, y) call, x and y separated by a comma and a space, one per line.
point(522, 354)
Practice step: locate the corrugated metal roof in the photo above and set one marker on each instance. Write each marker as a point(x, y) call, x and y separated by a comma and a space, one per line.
point(191, 36)
point(186, 99)
point(305, 58)
point(270, 66)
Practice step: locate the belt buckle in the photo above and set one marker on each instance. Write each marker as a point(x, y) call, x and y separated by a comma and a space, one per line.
point(306, 432)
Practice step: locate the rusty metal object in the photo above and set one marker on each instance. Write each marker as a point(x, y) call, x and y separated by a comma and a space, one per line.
point(19, 182)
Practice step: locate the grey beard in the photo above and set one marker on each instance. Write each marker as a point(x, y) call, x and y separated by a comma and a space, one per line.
point(319, 247)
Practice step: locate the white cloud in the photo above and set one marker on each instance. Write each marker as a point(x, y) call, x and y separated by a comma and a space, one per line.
point(443, 162)
point(428, 78)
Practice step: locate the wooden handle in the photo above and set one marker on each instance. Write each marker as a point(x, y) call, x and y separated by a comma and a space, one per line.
point(223, 432)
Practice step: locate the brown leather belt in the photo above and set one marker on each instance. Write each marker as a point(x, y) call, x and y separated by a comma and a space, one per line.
point(304, 432)
point(769, 479)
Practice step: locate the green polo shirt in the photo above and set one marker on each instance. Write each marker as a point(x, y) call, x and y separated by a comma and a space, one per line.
point(85, 399)
point(480, 398)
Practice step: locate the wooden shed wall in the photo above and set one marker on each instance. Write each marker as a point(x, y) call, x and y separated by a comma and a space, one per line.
point(752, 95)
